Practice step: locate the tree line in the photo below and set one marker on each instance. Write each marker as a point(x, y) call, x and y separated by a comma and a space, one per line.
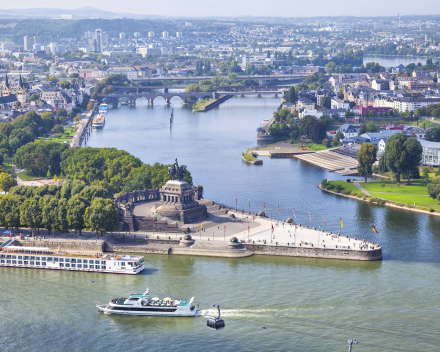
point(74, 205)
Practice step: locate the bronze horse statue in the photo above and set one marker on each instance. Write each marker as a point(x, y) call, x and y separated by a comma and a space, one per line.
point(177, 171)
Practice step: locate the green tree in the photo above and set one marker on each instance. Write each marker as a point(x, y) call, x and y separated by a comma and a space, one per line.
point(58, 129)
point(326, 102)
point(102, 216)
point(434, 188)
point(49, 212)
point(17, 105)
point(318, 132)
point(193, 87)
point(290, 95)
point(90, 106)
point(7, 182)
point(393, 154)
point(62, 225)
point(433, 134)
point(77, 118)
point(413, 154)
point(372, 127)
point(10, 209)
point(30, 214)
point(366, 158)
point(363, 128)
point(76, 208)
point(371, 113)
point(61, 114)
point(65, 84)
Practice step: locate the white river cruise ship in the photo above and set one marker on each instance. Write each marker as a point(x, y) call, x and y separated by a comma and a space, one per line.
point(44, 258)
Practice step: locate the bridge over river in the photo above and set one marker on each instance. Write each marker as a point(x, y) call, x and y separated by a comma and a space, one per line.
point(186, 97)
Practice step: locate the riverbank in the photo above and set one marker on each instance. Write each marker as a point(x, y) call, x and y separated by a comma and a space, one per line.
point(206, 105)
point(250, 158)
point(381, 201)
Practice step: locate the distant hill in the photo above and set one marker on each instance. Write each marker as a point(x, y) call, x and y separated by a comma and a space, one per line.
point(82, 12)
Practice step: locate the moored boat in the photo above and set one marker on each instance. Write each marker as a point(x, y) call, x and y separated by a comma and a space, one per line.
point(44, 258)
point(142, 304)
point(98, 121)
point(103, 108)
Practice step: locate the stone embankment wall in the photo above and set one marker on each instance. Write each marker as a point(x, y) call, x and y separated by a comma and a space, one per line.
point(216, 103)
point(313, 252)
point(62, 244)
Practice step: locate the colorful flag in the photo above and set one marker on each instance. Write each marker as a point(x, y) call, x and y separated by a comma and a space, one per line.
point(342, 224)
point(225, 227)
point(154, 225)
point(325, 224)
point(374, 229)
point(249, 229)
point(294, 215)
point(310, 218)
point(278, 208)
point(249, 202)
point(272, 228)
point(201, 225)
point(264, 206)
point(236, 200)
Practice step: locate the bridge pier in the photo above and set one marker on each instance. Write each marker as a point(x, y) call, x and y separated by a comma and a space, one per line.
point(258, 95)
point(150, 102)
point(275, 95)
point(261, 82)
point(165, 90)
point(133, 102)
point(167, 101)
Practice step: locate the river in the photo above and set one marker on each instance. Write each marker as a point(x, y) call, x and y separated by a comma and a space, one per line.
point(393, 61)
point(307, 304)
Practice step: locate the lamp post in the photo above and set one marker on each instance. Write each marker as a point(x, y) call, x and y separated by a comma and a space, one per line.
point(350, 343)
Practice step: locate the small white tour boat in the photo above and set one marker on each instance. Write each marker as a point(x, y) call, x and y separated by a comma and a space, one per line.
point(142, 304)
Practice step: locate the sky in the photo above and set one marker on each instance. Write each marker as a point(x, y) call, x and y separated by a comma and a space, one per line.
point(232, 8)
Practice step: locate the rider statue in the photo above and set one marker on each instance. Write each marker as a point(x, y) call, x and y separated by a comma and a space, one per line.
point(177, 171)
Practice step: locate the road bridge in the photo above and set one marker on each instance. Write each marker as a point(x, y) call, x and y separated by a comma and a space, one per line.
point(225, 89)
point(132, 97)
point(262, 79)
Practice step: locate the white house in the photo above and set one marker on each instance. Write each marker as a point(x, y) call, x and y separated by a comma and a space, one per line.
point(431, 152)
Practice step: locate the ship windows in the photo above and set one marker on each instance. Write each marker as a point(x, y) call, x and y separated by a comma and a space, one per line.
point(26, 262)
point(14, 262)
point(20, 262)
point(73, 260)
point(20, 257)
point(32, 257)
point(55, 259)
point(37, 263)
point(61, 259)
point(67, 265)
point(26, 257)
point(14, 257)
point(61, 265)
point(32, 262)
point(43, 259)
point(79, 266)
point(103, 262)
point(73, 265)
point(96, 261)
point(8, 261)
point(79, 261)
point(43, 264)
point(85, 266)
point(2, 261)
point(122, 263)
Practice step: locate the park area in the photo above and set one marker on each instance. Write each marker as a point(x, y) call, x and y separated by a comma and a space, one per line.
point(414, 195)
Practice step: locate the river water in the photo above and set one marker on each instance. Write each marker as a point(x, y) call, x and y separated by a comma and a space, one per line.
point(393, 61)
point(307, 304)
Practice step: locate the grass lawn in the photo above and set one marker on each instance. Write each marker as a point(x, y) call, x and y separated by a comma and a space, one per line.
point(200, 105)
point(313, 146)
point(415, 187)
point(421, 201)
point(249, 156)
point(27, 176)
point(426, 123)
point(66, 137)
point(346, 186)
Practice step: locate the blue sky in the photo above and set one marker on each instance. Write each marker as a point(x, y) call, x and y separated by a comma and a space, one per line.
point(278, 8)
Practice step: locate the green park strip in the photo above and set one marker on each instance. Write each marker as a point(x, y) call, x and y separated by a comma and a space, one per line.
point(201, 104)
point(416, 187)
point(317, 147)
point(27, 176)
point(343, 187)
point(66, 137)
point(250, 158)
point(419, 200)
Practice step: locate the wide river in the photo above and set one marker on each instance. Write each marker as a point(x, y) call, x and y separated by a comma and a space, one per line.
point(306, 304)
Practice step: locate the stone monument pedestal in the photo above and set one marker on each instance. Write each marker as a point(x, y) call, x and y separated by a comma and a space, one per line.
point(178, 203)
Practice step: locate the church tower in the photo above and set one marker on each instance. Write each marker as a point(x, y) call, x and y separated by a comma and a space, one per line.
point(20, 92)
point(6, 88)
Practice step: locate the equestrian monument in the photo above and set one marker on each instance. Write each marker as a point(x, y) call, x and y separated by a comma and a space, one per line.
point(177, 198)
